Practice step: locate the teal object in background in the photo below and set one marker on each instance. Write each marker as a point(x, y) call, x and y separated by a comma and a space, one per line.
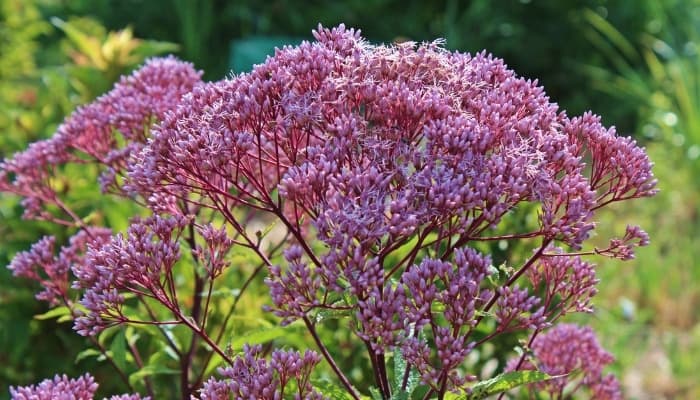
point(246, 52)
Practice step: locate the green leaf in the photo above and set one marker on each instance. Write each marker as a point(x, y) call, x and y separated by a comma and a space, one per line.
point(86, 44)
point(106, 335)
point(148, 329)
point(87, 353)
point(256, 336)
point(499, 384)
point(267, 230)
point(252, 320)
point(611, 33)
point(131, 336)
point(332, 314)
point(260, 336)
point(118, 350)
point(215, 361)
point(331, 390)
point(437, 307)
point(399, 370)
point(54, 313)
point(64, 318)
point(150, 48)
point(148, 371)
point(400, 395)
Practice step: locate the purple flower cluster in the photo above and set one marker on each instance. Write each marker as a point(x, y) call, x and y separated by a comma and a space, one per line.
point(51, 271)
point(624, 248)
point(375, 142)
point(140, 262)
point(253, 377)
point(567, 282)
point(572, 354)
point(395, 154)
point(58, 388)
point(94, 133)
point(386, 166)
point(63, 388)
point(457, 288)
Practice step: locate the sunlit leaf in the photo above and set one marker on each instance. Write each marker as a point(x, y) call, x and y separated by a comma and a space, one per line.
point(87, 353)
point(499, 384)
point(149, 370)
point(260, 336)
point(54, 313)
point(88, 45)
point(331, 390)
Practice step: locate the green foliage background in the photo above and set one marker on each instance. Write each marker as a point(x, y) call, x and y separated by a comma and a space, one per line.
point(635, 63)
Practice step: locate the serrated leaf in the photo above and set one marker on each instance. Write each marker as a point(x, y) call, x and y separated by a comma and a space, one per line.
point(399, 371)
point(400, 395)
point(399, 366)
point(54, 313)
point(150, 370)
point(376, 394)
point(331, 314)
point(499, 384)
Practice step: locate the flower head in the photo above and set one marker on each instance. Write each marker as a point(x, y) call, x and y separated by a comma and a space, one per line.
point(52, 271)
point(572, 352)
point(63, 388)
point(58, 388)
point(253, 377)
point(132, 263)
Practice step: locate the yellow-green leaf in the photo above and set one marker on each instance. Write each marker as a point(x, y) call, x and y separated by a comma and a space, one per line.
point(54, 313)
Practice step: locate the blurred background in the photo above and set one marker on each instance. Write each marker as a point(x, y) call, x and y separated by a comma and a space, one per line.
point(637, 64)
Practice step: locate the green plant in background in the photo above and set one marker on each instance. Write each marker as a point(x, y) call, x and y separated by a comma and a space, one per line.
point(649, 314)
point(99, 57)
point(20, 28)
point(658, 72)
point(42, 79)
point(536, 37)
point(25, 111)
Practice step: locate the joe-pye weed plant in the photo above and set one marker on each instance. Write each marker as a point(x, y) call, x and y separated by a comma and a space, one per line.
point(381, 175)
